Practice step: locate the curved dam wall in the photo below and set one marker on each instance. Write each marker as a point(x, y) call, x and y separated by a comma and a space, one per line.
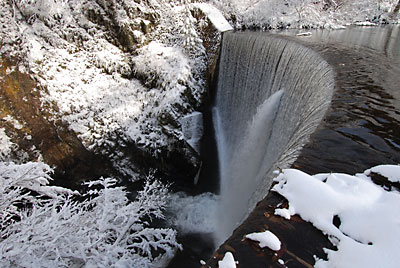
point(271, 95)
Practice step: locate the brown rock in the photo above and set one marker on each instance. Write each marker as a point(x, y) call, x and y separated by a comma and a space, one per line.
point(20, 98)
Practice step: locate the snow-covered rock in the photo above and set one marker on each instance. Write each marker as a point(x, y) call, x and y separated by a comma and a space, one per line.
point(192, 129)
point(266, 239)
point(365, 23)
point(228, 261)
point(368, 230)
point(304, 34)
point(391, 172)
point(99, 74)
point(215, 16)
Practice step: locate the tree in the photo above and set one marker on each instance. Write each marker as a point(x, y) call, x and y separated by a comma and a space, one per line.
point(104, 230)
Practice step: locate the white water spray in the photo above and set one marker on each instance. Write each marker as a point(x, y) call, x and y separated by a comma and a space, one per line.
point(193, 214)
point(272, 93)
point(245, 162)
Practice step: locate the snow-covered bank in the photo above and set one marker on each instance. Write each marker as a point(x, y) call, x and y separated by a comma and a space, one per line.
point(360, 218)
point(119, 72)
point(266, 14)
point(214, 16)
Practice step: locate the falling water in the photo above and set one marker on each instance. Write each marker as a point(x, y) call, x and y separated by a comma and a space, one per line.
point(271, 95)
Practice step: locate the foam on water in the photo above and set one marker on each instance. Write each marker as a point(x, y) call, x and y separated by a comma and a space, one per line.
point(193, 214)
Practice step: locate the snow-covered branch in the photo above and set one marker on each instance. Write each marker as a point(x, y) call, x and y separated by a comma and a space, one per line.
point(105, 230)
point(304, 13)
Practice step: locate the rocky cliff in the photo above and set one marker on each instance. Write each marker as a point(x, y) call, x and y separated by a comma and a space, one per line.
point(99, 87)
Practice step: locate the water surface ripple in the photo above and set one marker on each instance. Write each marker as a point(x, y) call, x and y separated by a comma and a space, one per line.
point(362, 126)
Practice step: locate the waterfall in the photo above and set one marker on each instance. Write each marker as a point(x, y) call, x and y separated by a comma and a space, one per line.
point(271, 95)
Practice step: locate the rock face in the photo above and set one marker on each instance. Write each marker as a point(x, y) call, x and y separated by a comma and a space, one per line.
point(35, 137)
point(127, 36)
point(38, 137)
point(74, 96)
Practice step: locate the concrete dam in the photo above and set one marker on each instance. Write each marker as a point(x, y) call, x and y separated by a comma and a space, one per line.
point(271, 95)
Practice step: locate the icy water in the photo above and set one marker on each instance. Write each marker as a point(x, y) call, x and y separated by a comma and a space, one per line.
point(362, 125)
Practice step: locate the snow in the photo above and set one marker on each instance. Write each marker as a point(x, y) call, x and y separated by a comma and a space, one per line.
point(266, 239)
point(266, 14)
point(9, 70)
point(5, 145)
point(283, 212)
point(9, 150)
point(215, 16)
point(191, 214)
point(228, 261)
point(16, 123)
point(391, 172)
point(192, 129)
point(365, 23)
point(34, 176)
point(105, 229)
point(369, 231)
point(109, 95)
point(304, 34)
point(167, 66)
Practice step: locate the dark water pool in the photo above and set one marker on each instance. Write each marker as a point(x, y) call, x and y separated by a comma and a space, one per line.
point(362, 127)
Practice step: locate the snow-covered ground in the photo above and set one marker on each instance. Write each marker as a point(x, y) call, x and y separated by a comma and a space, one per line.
point(369, 217)
point(330, 14)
